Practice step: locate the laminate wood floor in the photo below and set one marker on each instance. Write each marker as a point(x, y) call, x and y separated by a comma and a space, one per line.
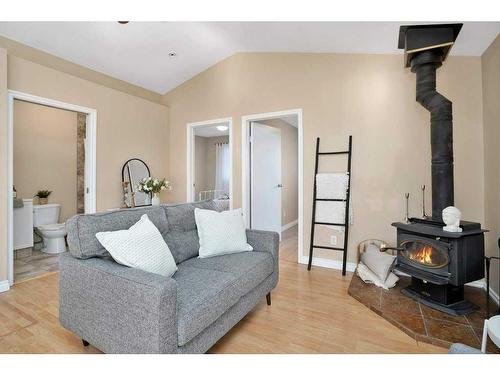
point(311, 312)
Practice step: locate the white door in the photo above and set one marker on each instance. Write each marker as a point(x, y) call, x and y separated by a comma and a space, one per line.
point(265, 177)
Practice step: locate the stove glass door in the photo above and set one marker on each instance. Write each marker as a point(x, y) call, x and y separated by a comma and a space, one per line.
point(425, 254)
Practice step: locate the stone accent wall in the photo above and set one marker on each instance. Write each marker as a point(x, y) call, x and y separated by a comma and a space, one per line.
point(80, 162)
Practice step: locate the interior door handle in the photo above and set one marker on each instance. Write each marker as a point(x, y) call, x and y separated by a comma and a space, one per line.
point(279, 186)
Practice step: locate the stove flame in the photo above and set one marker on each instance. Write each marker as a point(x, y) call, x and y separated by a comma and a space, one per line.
point(422, 255)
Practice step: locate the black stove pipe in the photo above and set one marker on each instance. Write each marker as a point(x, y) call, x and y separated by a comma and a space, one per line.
point(425, 64)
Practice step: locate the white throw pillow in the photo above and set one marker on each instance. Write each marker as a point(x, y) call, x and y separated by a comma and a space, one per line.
point(141, 246)
point(221, 232)
point(380, 263)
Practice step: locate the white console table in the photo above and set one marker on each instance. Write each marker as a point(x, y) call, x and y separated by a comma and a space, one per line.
point(23, 225)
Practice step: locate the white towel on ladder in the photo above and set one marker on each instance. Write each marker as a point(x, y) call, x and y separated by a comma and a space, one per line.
point(333, 212)
point(331, 185)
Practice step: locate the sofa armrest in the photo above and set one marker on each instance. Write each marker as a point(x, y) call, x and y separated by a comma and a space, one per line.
point(262, 240)
point(116, 308)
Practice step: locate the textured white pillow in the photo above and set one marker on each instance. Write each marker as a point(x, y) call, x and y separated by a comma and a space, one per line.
point(380, 263)
point(221, 232)
point(141, 246)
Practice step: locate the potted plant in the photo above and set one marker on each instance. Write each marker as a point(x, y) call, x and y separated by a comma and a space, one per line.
point(155, 186)
point(43, 196)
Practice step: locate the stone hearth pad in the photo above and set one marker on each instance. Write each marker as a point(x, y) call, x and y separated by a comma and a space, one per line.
point(421, 322)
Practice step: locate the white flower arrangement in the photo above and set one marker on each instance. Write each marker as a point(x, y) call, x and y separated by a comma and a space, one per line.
point(153, 185)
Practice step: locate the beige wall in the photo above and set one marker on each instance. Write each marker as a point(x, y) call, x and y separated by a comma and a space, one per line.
point(45, 154)
point(491, 115)
point(127, 126)
point(371, 97)
point(289, 169)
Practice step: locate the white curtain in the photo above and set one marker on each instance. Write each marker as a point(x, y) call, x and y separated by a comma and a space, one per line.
point(222, 167)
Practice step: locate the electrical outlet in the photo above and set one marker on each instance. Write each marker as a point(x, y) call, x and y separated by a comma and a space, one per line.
point(333, 240)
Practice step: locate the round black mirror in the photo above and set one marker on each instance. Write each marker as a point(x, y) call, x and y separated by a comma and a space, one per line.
point(133, 171)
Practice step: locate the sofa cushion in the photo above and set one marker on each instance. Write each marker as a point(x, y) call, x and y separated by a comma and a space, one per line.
point(203, 295)
point(182, 238)
point(82, 229)
point(249, 268)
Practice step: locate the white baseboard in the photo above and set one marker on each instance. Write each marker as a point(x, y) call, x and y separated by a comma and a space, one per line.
point(328, 263)
point(494, 295)
point(289, 225)
point(477, 284)
point(4, 286)
point(482, 284)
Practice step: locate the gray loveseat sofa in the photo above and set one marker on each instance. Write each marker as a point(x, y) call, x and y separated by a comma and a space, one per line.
point(124, 310)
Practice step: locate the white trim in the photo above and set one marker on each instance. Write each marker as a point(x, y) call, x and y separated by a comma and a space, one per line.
point(4, 286)
point(90, 160)
point(482, 284)
point(494, 295)
point(477, 284)
point(245, 137)
point(289, 225)
point(190, 156)
point(328, 263)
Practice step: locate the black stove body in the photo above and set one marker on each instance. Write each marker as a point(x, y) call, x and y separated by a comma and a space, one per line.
point(440, 263)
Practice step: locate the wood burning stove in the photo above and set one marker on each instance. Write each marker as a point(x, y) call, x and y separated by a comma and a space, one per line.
point(440, 262)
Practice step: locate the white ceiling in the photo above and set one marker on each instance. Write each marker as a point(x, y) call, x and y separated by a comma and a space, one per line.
point(138, 52)
point(211, 130)
point(292, 120)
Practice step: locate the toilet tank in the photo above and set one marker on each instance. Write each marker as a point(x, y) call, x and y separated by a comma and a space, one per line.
point(44, 214)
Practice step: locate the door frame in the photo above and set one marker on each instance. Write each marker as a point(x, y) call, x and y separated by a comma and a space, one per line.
point(245, 165)
point(90, 160)
point(190, 157)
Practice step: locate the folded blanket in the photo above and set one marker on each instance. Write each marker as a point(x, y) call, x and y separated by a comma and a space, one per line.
point(369, 277)
point(331, 185)
point(332, 212)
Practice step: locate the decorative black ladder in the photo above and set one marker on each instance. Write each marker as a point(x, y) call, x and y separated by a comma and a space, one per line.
point(345, 224)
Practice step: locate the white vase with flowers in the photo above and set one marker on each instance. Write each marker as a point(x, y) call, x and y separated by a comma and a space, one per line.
point(153, 186)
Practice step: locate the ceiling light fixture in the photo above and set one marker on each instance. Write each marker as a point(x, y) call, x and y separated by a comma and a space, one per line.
point(123, 22)
point(222, 128)
point(172, 54)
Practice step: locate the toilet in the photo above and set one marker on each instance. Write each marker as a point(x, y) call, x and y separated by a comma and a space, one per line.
point(45, 220)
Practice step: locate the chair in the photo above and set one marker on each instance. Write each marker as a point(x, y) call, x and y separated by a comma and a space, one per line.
point(491, 329)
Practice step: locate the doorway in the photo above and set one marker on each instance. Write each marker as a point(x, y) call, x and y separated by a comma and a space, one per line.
point(210, 162)
point(38, 166)
point(272, 173)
